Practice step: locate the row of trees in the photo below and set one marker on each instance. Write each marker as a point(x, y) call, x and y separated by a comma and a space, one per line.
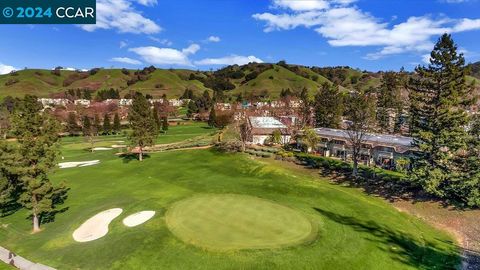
point(93, 126)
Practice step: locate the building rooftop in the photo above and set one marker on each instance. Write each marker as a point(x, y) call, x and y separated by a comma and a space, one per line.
point(266, 122)
point(380, 139)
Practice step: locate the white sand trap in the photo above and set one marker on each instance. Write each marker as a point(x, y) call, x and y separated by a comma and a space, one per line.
point(101, 148)
point(74, 164)
point(96, 226)
point(118, 146)
point(138, 218)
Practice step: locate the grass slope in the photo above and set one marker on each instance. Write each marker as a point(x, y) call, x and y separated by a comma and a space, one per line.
point(282, 79)
point(355, 231)
point(32, 81)
point(169, 82)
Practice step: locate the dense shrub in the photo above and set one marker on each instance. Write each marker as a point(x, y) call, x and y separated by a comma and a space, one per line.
point(390, 179)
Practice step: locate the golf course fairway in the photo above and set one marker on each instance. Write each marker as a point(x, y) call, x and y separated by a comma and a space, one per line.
point(221, 211)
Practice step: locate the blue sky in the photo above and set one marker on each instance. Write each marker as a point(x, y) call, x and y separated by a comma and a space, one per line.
point(204, 34)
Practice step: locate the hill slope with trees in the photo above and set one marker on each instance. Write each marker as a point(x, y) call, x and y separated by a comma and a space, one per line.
point(254, 80)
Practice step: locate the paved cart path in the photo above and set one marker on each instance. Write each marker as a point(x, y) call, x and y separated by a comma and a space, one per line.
point(19, 262)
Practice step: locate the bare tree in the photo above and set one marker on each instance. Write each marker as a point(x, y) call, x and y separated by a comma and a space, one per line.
point(360, 113)
point(243, 130)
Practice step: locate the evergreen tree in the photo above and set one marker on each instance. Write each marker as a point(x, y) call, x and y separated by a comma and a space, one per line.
point(191, 108)
point(439, 94)
point(37, 135)
point(117, 126)
point(86, 126)
point(388, 100)
point(305, 113)
point(212, 118)
point(107, 127)
point(156, 118)
point(10, 188)
point(142, 124)
point(328, 106)
point(96, 125)
point(72, 125)
point(165, 124)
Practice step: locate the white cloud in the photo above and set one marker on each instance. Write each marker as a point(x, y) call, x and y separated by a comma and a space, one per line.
point(166, 56)
point(466, 25)
point(126, 60)
point(229, 60)
point(5, 69)
point(343, 24)
point(164, 41)
point(122, 16)
point(192, 49)
point(123, 44)
point(301, 5)
point(147, 3)
point(213, 39)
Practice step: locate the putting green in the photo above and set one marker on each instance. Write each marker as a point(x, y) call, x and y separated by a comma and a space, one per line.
point(232, 222)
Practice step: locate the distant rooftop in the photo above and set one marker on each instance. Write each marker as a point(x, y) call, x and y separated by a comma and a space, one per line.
point(385, 139)
point(266, 122)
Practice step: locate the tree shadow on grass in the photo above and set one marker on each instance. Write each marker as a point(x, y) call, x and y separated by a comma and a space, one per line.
point(471, 259)
point(50, 217)
point(391, 189)
point(9, 208)
point(128, 157)
point(422, 254)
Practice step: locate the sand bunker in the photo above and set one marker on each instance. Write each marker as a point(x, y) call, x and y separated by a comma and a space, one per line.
point(138, 218)
point(96, 226)
point(118, 146)
point(74, 164)
point(101, 148)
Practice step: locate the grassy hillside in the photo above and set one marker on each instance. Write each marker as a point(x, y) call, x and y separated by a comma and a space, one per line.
point(276, 79)
point(249, 80)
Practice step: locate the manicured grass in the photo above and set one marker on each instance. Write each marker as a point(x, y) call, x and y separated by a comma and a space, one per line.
point(234, 222)
point(354, 231)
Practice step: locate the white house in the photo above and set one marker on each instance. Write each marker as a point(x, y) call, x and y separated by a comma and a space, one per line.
point(125, 102)
point(262, 128)
point(53, 101)
point(82, 102)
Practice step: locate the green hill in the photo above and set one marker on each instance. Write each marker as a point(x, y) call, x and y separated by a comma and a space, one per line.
point(263, 80)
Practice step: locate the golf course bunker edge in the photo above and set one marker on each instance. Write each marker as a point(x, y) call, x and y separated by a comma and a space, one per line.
point(225, 222)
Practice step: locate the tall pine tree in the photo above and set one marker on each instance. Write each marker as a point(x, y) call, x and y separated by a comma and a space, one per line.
point(37, 135)
point(438, 95)
point(388, 101)
point(117, 126)
point(142, 124)
point(107, 127)
point(328, 106)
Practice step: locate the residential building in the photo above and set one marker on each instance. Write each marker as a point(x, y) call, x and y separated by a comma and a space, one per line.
point(54, 102)
point(125, 102)
point(82, 102)
point(379, 149)
point(261, 129)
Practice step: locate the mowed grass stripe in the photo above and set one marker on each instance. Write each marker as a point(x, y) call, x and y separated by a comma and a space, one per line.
point(224, 222)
